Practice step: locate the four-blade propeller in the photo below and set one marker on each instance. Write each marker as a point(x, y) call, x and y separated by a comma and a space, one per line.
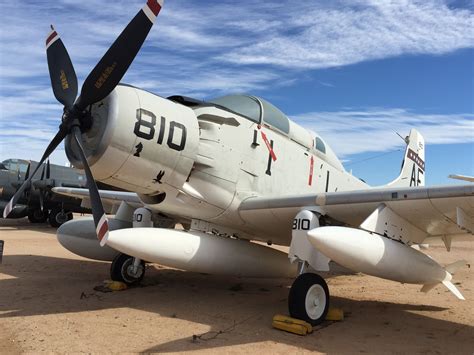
point(99, 83)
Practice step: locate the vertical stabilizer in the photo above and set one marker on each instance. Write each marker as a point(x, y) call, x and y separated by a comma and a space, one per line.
point(413, 165)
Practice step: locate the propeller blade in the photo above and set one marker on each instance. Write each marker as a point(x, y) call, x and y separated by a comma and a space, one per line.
point(40, 189)
point(100, 219)
point(42, 173)
point(48, 169)
point(115, 62)
point(41, 201)
point(61, 71)
point(52, 146)
point(27, 173)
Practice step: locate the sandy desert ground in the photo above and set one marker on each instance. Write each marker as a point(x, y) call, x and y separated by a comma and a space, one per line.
point(48, 303)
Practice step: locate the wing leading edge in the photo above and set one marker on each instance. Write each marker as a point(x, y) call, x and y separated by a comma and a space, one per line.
point(438, 211)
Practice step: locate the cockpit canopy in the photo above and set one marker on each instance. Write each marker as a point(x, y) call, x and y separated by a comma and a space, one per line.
point(261, 111)
point(16, 165)
point(255, 109)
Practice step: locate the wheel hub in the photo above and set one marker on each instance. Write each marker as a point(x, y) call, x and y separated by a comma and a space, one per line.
point(134, 272)
point(315, 301)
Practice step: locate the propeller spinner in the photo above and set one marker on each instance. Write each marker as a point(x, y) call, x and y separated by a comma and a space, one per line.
point(99, 83)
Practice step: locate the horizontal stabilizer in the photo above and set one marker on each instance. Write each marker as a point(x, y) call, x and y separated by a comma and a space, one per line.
point(462, 177)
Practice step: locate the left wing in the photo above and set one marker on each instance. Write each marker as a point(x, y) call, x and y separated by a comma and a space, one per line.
point(110, 199)
point(416, 212)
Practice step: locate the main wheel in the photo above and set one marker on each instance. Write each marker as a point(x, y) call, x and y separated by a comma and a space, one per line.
point(57, 217)
point(37, 215)
point(309, 298)
point(122, 270)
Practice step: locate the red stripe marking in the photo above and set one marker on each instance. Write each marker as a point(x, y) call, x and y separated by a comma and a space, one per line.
point(416, 158)
point(51, 37)
point(311, 166)
point(154, 6)
point(104, 228)
point(267, 143)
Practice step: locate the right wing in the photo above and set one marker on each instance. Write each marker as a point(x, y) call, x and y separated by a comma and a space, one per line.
point(437, 211)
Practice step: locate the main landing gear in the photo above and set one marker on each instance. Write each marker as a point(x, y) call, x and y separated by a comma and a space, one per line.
point(309, 298)
point(58, 216)
point(309, 295)
point(127, 269)
point(37, 215)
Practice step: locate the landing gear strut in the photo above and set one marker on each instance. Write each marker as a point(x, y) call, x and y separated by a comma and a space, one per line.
point(309, 298)
point(309, 295)
point(127, 269)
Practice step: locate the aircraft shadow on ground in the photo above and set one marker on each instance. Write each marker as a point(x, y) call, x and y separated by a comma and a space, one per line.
point(22, 224)
point(45, 285)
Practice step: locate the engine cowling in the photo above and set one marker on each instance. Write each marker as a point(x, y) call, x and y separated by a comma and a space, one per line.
point(139, 141)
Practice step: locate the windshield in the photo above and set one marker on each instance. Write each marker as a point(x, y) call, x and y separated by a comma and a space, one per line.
point(243, 105)
point(15, 165)
point(254, 109)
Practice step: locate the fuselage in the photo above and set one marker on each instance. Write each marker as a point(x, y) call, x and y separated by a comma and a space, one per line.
point(197, 161)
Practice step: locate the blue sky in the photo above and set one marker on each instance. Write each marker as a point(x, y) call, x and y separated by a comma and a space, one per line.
point(356, 71)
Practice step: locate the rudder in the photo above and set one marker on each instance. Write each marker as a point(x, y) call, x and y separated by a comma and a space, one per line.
point(413, 165)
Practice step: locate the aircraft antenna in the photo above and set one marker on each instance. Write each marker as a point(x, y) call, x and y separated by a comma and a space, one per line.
point(404, 139)
point(373, 157)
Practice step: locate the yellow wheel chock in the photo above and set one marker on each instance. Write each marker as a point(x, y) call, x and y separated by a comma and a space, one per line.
point(115, 285)
point(300, 327)
point(291, 325)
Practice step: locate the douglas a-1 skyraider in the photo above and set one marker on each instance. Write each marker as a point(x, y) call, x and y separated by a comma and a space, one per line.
point(232, 170)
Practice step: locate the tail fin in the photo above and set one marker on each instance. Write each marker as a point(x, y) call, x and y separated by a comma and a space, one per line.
point(413, 165)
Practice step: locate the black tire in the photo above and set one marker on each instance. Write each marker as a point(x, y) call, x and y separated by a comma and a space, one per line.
point(37, 216)
point(57, 217)
point(307, 289)
point(120, 270)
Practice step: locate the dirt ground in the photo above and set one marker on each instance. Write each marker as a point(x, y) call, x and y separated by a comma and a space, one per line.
point(48, 303)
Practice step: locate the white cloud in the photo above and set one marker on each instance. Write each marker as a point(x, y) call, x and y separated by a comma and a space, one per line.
point(374, 130)
point(209, 50)
point(351, 32)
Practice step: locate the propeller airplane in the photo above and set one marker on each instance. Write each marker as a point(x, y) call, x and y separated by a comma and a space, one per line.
point(38, 202)
point(234, 170)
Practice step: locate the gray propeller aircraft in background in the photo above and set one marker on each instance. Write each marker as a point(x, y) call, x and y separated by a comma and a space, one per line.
point(38, 202)
point(233, 170)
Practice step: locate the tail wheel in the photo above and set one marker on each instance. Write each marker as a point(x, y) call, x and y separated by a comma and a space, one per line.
point(309, 298)
point(122, 270)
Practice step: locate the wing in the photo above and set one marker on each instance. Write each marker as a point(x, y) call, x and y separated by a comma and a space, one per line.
point(440, 211)
point(110, 199)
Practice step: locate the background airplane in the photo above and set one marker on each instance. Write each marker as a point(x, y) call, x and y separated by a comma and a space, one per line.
point(235, 169)
point(38, 202)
